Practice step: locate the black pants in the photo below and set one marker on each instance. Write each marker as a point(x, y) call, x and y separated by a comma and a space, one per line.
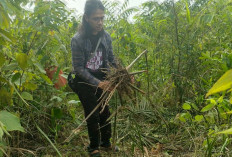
point(99, 129)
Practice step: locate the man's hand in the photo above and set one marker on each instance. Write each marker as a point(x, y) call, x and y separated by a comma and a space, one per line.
point(105, 86)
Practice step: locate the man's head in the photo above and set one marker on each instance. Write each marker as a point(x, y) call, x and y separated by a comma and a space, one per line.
point(93, 18)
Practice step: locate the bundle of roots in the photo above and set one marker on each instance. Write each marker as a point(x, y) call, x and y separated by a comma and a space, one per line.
point(121, 81)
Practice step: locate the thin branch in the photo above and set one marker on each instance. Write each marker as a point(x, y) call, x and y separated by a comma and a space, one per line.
point(138, 72)
point(141, 91)
point(129, 66)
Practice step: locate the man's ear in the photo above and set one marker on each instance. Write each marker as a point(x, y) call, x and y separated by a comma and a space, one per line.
point(86, 18)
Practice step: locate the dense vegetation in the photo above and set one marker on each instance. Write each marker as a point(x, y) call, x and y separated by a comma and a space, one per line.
point(189, 48)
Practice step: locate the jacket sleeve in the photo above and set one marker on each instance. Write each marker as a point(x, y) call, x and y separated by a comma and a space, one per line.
point(111, 57)
point(78, 63)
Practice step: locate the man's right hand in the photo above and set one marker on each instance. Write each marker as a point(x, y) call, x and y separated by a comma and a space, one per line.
point(105, 85)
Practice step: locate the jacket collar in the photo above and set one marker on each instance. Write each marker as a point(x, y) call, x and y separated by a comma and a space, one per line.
point(103, 41)
point(88, 44)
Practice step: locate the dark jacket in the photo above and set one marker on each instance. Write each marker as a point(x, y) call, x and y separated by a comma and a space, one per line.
point(81, 48)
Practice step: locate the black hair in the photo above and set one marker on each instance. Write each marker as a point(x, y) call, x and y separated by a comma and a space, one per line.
point(90, 7)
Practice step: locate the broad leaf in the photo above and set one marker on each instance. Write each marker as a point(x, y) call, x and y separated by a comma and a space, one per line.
point(15, 77)
point(208, 107)
point(30, 86)
point(195, 106)
point(10, 121)
point(56, 98)
point(229, 131)
point(73, 102)
point(186, 106)
point(199, 118)
point(27, 96)
point(184, 116)
point(224, 83)
point(45, 78)
point(22, 60)
point(56, 113)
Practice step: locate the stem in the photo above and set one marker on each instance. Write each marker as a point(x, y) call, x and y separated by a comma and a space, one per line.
point(136, 88)
point(218, 114)
point(20, 96)
point(32, 42)
point(138, 72)
point(58, 152)
point(20, 84)
point(179, 90)
point(148, 79)
point(115, 120)
point(129, 66)
point(177, 35)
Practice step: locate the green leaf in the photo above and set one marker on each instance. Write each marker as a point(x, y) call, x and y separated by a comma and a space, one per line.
point(212, 101)
point(224, 83)
point(64, 76)
point(184, 116)
point(229, 131)
point(231, 100)
point(230, 112)
point(74, 102)
point(208, 107)
point(2, 151)
point(12, 67)
point(186, 106)
point(40, 67)
point(27, 96)
point(4, 129)
point(48, 140)
point(206, 18)
point(5, 97)
point(57, 113)
point(182, 119)
point(220, 100)
point(199, 118)
point(15, 77)
point(2, 79)
point(7, 36)
point(73, 76)
point(56, 98)
point(187, 12)
point(46, 78)
point(195, 106)
point(1, 134)
point(10, 121)
point(2, 59)
point(30, 86)
point(2, 146)
point(56, 74)
point(64, 49)
point(22, 60)
point(4, 18)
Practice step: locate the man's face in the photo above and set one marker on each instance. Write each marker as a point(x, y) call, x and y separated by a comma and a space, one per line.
point(96, 20)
